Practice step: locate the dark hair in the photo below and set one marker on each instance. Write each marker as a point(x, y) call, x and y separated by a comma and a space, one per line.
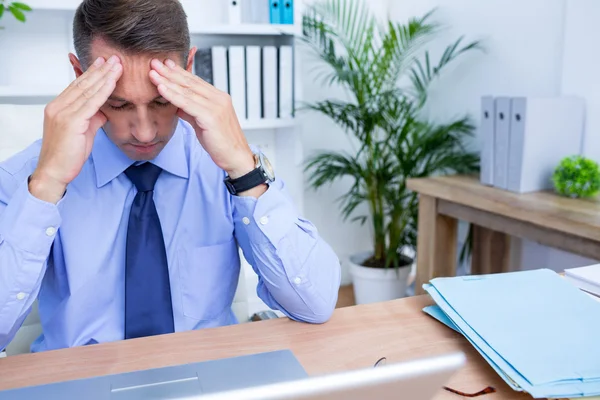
point(131, 26)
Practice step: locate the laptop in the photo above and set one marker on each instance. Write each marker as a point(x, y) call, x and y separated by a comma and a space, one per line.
point(256, 376)
point(414, 380)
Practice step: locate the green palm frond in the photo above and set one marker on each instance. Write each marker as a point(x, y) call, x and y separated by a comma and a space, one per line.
point(342, 32)
point(329, 166)
point(400, 46)
point(423, 72)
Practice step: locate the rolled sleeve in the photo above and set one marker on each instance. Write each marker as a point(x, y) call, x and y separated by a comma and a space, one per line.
point(29, 223)
point(298, 272)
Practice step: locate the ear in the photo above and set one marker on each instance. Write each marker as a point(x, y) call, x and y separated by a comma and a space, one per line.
point(190, 60)
point(76, 65)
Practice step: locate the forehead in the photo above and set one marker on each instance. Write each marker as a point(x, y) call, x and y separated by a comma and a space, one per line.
point(135, 84)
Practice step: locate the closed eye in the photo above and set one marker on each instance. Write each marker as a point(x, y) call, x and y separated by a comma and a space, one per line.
point(127, 105)
point(118, 108)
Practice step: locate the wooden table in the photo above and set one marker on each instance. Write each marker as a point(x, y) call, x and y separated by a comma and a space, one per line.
point(355, 337)
point(569, 224)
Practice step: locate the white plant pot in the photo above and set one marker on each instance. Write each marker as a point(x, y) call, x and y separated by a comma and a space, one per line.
point(372, 285)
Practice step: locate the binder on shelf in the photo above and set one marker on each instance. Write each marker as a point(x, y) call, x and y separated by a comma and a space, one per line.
point(269, 82)
point(543, 131)
point(501, 141)
point(219, 68)
point(237, 80)
point(487, 132)
point(286, 82)
point(203, 64)
point(253, 82)
point(255, 11)
point(274, 11)
point(234, 11)
point(287, 12)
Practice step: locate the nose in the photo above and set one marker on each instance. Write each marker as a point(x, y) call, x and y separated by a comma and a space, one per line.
point(144, 128)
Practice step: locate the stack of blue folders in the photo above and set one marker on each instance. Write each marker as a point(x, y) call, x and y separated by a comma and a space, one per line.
point(539, 332)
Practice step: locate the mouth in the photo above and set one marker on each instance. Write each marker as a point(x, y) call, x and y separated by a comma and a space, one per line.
point(144, 148)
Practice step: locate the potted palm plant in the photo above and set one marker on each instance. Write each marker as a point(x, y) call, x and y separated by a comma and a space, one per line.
point(387, 73)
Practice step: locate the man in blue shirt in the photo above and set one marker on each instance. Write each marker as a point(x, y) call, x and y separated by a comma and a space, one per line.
point(126, 218)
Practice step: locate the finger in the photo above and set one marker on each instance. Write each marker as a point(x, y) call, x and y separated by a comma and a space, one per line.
point(113, 73)
point(182, 97)
point(94, 101)
point(89, 78)
point(175, 73)
point(69, 94)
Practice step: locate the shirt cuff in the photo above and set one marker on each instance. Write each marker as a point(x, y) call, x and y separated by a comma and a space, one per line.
point(28, 223)
point(272, 214)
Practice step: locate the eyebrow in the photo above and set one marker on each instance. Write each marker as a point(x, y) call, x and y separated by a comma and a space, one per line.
point(117, 98)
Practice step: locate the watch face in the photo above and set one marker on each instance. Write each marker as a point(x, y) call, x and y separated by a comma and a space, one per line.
point(267, 167)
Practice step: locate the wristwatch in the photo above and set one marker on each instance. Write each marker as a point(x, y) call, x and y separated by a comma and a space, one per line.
point(262, 173)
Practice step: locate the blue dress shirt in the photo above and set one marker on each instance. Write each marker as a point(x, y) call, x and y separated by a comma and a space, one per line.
point(72, 255)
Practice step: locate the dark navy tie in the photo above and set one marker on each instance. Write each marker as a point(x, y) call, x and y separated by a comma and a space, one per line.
point(148, 309)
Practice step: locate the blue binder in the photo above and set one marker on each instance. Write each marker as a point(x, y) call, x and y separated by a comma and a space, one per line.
point(287, 12)
point(275, 11)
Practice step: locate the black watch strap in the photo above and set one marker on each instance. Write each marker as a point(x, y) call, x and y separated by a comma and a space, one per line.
point(250, 180)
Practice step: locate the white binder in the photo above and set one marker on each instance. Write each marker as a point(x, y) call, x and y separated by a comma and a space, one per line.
point(501, 141)
point(544, 130)
point(487, 133)
point(234, 10)
point(269, 81)
point(237, 80)
point(219, 68)
point(286, 82)
point(255, 11)
point(253, 82)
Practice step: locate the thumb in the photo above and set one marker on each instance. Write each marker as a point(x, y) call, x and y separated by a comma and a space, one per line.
point(186, 117)
point(97, 121)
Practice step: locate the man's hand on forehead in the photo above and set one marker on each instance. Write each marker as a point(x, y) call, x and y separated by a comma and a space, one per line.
point(70, 124)
point(211, 113)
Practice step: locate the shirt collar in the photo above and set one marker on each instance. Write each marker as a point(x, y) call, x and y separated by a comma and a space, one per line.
point(110, 161)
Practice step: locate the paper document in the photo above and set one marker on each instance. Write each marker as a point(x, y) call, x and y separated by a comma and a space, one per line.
point(533, 327)
point(585, 278)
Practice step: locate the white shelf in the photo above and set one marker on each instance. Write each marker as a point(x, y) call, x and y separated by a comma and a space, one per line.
point(28, 95)
point(274, 123)
point(69, 5)
point(221, 29)
point(29, 91)
point(247, 29)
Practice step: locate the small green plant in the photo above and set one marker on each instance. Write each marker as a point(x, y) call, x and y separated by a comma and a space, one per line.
point(17, 9)
point(577, 176)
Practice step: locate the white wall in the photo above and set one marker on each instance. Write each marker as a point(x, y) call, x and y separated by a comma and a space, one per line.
point(36, 52)
point(533, 48)
point(580, 65)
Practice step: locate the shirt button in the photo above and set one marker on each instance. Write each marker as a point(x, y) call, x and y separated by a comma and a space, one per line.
point(51, 231)
point(20, 296)
point(297, 280)
point(264, 220)
point(246, 221)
